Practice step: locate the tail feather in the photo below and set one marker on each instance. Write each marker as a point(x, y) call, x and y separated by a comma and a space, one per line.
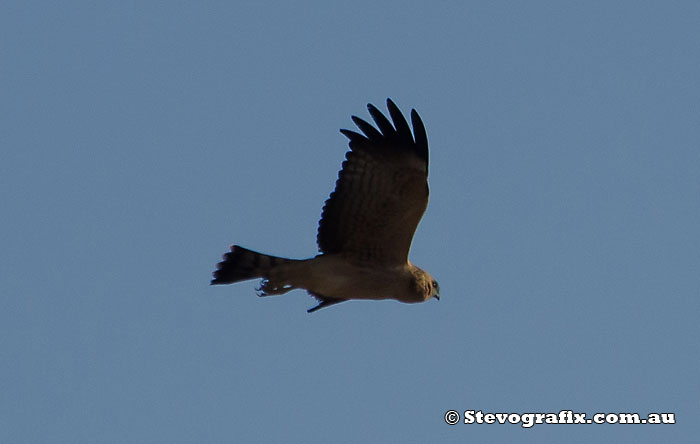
point(241, 264)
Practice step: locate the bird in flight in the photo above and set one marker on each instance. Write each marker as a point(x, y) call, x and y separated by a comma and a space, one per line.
point(366, 227)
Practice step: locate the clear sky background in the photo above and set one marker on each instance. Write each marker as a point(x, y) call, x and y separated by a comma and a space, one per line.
point(140, 139)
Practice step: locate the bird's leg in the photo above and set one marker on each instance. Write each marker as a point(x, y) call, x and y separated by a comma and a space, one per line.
point(324, 302)
point(268, 288)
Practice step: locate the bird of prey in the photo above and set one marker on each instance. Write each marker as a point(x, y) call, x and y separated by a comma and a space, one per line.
point(366, 225)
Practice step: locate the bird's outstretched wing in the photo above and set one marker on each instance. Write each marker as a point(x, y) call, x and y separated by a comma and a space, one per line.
point(381, 192)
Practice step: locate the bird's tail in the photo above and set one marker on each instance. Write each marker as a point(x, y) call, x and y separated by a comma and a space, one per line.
point(241, 264)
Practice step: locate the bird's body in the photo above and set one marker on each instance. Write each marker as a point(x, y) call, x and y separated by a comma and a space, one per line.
point(366, 227)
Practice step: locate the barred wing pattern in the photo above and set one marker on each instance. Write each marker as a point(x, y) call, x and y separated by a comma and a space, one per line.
point(381, 192)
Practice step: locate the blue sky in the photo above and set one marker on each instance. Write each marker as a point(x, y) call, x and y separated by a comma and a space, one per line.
point(140, 139)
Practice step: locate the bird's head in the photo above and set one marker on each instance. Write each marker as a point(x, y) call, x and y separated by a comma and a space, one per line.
point(434, 289)
point(426, 287)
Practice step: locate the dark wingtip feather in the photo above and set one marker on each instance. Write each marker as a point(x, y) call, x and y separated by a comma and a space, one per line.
point(370, 131)
point(396, 134)
point(353, 136)
point(419, 135)
point(400, 123)
point(382, 122)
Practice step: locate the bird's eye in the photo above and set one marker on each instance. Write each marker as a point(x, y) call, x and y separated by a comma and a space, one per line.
point(434, 284)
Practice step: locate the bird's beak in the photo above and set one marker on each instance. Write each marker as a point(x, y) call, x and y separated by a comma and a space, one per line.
point(437, 296)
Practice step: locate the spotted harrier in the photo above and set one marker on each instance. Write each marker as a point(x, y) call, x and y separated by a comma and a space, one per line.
point(366, 227)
